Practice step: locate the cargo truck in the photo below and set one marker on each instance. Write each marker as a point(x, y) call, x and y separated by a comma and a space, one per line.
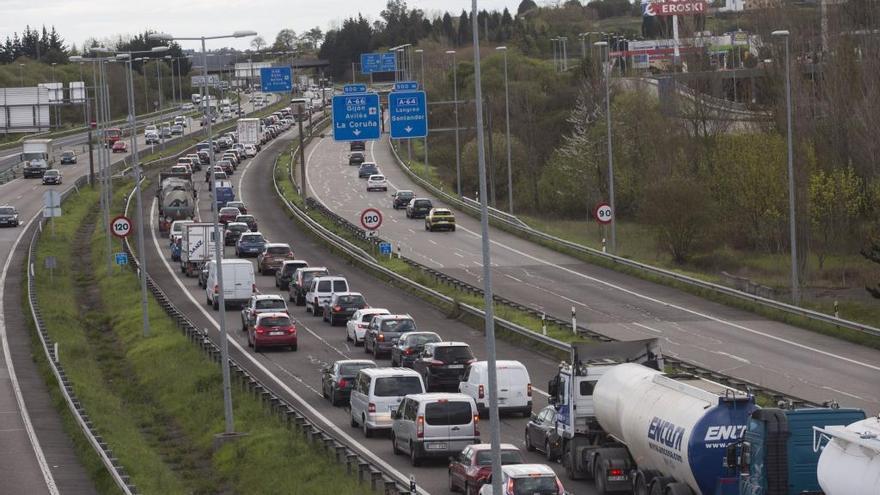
point(176, 198)
point(36, 156)
point(197, 247)
point(249, 131)
point(849, 463)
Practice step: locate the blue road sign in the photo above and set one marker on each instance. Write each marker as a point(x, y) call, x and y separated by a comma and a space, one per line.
point(121, 259)
point(385, 248)
point(276, 80)
point(354, 88)
point(378, 62)
point(406, 86)
point(409, 114)
point(356, 117)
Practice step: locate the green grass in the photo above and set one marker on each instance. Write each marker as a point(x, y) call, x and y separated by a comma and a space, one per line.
point(157, 400)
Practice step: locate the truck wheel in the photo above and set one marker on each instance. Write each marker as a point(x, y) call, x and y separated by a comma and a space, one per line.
point(599, 475)
point(640, 487)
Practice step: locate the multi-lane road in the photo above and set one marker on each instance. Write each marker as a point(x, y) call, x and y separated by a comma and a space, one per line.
point(735, 342)
point(37, 456)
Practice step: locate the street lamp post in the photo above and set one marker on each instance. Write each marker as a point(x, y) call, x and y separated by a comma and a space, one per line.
point(605, 69)
point(795, 280)
point(218, 249)
point(503, 49)
point(171, 64)
point(455, 98)
point(159, 84)
point(21, 74)
point(494, 424)
point(55, 94)
point(425, 89)
point(104, 151)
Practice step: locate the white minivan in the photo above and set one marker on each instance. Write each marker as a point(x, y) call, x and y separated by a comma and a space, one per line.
point(239, 283)
point(514, 386)
point(377, 392)
point(434, 425)
point(322, 290)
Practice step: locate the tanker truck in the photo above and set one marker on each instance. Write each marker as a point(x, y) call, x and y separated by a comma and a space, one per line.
point(850, 460)
point(176, 198)
point(632, 429)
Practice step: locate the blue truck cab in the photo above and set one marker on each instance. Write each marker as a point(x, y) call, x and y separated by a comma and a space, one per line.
point(224, 193)
point(776, 457)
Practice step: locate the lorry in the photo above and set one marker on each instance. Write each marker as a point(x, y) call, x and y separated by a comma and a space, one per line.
point(249, 131)
point(36, 156)
point(197, 247)
point(196, 98)
point(176, 198)
point(633, 429)
point(849, 463)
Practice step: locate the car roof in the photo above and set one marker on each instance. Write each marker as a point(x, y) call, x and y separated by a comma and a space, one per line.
point(355, 361)
point(393, 316)
point(374, 176)
point(237, 224)
point(277, 244)
point(367, 164)
point(523, 470)
point(347, 294)
point(434, 396)
point(449, 344)
point(296, 262)
point(404, 191)
point(388, 371)
point(273, 314)
point(410, 334)
point(253, 233)
point(330, 277)
point(369, 311)
point(441, 210)
point(263, 297)
point(488, 446)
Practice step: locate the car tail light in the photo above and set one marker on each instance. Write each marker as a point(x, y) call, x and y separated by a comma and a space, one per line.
point(291, 330)
point(342, 383)
point(615, 472)
point(260, 330)
point(481, 392)
point(337, 308)
point(371, 407)
point(408, 351)
point(435, 362)
point(420, 427)
point(529, 390)
point(476, 425)
point(381, 337)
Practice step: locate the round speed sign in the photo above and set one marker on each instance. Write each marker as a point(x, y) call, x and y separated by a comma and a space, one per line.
point(120, 226)
point(371, 219)
point(603, 213)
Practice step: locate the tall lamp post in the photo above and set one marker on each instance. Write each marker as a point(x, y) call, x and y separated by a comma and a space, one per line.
point(795, 281)
point(170, 60)
point(457, 146)
point(606, 70)
point(218, 249)
point(425, 89)
point(503, 49)
point(21, 74)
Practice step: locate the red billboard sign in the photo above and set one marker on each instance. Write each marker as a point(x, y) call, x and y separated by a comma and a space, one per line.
point(676, 7)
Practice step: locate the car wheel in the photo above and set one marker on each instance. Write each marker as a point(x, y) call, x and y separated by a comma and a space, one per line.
point(368, 432)
point(243, 326)
point(353, 422)
point(453, 229)
point(347, 335)
point(548, 451)
point(366, 349)
point(291, 298)
point(250, 344)
point(413, 458)
point(293, 347)
point(529, 446)
point(216, 305)
point(333, 400)
point(324, 393)
point(375, 351)
point(452, 487)
point(394, 446)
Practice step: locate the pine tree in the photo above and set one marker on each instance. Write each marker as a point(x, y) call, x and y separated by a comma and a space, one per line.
point(872, 253)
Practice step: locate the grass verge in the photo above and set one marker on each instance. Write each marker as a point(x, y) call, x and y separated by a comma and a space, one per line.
point(157, 400)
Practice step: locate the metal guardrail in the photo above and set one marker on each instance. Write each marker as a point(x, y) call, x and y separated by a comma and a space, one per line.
point(358, 255)
point(521, 229)
point(89, 430)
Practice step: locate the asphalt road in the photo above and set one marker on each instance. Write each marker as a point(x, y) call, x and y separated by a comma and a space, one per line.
point(33, 441)
point(735, 342)
point(296, 375)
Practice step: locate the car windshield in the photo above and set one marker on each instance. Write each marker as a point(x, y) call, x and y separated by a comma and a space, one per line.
point(535, 485)
point(7, 211)
point(351, 369)
point(245, 218)
point(403, 325)
point(237, 228)
point(67, 154)
point(351, 300)
point(421, 339)
point(404, 194)
point(51, 173)
point(309, 276)
point(423, 203)
point(397, 386)
point(453, 353)
point(252, 238)
point(278, 250)
point(368, 317)
point(229, 211)
point(484, 457)
point(269, 304)
point(445, 413)
point(275, 321)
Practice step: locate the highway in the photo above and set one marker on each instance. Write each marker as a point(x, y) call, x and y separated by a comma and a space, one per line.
point(37, 456)
point(296, 375)
point(728, 340)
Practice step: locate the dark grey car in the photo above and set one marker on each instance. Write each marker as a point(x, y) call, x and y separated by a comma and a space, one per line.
point(384, 331)
point(410, 346)
point(541, 433)
point(337, 379)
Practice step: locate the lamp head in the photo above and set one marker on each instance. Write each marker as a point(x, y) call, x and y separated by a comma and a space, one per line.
point(160, 37)
point(243, 34)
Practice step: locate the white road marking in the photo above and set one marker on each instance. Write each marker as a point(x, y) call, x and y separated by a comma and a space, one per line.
point(459, 255)
point(646, 327)
point(511, 277)
point(854, 396)
point(733, 356)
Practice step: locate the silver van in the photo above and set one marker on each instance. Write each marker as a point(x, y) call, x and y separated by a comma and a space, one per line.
point(377, 392)
point(434, 425)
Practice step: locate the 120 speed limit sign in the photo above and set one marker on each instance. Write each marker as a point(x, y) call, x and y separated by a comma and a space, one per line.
point(120, 226)
point(603, 213)
point(371, 219)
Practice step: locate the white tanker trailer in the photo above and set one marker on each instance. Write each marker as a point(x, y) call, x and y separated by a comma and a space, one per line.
point(850, 460)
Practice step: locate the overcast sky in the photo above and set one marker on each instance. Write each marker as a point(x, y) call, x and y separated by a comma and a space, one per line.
point(78, 20)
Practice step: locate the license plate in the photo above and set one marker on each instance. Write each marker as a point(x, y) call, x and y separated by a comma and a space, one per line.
point(456, 366)
point(617, 478)
point(436, 446)
point(276, 333)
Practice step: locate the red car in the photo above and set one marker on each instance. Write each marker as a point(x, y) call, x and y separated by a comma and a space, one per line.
point(227, 214)
point(272, 330)
point(471, 468)
point(120, 147)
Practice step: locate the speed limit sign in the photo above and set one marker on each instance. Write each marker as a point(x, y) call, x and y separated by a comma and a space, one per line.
point(371, 219)
point(120, 226)
point(603, 213)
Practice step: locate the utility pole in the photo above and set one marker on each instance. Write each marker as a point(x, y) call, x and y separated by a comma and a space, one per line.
point(457, 145)
point(607, 71)
point(503, 49)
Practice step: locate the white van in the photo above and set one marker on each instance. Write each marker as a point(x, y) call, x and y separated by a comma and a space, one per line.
point(434, 425)
point(239, 283)
point(176, 231)
point(377, 392)
point(514, 387)
point(322, 290)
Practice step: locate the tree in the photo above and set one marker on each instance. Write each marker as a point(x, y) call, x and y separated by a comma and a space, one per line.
point(258, 43)
point(681, 212)
point(285, 40)
point(836, 201)
point(525, 6)
point(464, 29)
point(313, 37)
point(872, 253)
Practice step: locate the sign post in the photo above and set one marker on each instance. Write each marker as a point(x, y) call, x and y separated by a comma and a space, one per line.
point(356, 117)
point(52, 206)
point(604, 215)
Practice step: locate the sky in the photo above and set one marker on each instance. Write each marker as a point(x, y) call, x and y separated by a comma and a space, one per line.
point(78, 20)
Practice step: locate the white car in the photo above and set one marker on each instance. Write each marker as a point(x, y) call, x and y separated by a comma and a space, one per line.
point(356, 327)
point(187, 106)
point(151, 129)
point(527, 478)
point(377, 183)
point(250, 150)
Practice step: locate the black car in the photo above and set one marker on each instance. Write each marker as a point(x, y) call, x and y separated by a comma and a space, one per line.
point(8, 216)
point(367, 169)
point(285, 273)
point(300, 282)
point(357, 146)
point(401, 198)
point(410, 346)
point(356, 158)
point(233, 231)
point(338, 378)
point(418, 208)
point(341, 306)
point(441, 364)
point(68, 157)
point(541, 433)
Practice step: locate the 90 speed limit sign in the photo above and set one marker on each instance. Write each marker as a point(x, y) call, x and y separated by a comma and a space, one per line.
point(120, 226)
point(603, 213)
point(371, 219)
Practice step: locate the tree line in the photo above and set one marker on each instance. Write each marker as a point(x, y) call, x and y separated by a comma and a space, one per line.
point(44, 45)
